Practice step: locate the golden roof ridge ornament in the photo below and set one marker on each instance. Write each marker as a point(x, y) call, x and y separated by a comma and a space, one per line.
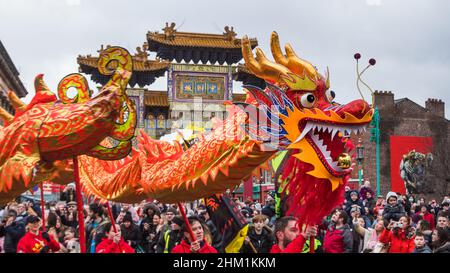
point(169, 31)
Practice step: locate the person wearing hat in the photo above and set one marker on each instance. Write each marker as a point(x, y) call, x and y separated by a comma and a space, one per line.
point(146, 226)
point(69, 193)
point(354, 200)
point(393, 209)
point(36, 241)
point(171, 237)
point(70, 218)
point(188, 245)
point(130, 231)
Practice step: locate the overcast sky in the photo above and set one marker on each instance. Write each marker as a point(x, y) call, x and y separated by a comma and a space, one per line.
point(410, 39)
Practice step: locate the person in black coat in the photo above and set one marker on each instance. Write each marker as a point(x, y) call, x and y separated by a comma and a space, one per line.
point(216, 237)
point(12, 230)
point(393, 209)
point(68, 194)
point(259, 237)
point(130, 231)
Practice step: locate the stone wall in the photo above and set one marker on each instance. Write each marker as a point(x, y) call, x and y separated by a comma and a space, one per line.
point(406, 118)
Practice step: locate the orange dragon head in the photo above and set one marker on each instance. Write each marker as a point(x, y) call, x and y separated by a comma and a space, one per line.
point(311, 123)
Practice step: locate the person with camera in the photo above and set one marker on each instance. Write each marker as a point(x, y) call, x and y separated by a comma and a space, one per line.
point(399, 236)
point(70, 218)
point(68, 194)
point(36, 241)
point(12, 230)
point(200, 245)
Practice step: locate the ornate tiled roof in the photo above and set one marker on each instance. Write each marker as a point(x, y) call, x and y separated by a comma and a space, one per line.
point(172, 37)
point(138, 65)
point(144, 71)
point(188, 39)
point(156, 98)
point(172, 44)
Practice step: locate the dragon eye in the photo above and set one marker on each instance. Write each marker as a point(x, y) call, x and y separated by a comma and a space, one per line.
point(308, 100)
point(330, 95)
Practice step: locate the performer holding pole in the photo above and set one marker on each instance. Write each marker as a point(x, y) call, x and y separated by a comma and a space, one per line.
point(188, 226)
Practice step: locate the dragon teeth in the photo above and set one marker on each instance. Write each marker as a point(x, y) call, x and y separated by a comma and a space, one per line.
point(306, 130)
point(330, 129)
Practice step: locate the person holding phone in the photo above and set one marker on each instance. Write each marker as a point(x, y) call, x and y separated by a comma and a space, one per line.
point(399, 235)
point(12, 230)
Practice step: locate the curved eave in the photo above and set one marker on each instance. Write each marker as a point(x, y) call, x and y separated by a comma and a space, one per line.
point(196, 53)
point(140, 78)
point(248, 78)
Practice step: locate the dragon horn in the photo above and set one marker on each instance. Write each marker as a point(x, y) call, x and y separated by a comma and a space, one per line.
point(276, 50)
point(7, 117)
point(291, 60)
point(15, 101)
point(262, 67)
point(40, 86)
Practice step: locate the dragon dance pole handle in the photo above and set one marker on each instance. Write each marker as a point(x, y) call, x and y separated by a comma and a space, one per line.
point(41, 187)
point(312, 240)
point(188, 226)
point(80, 213)
point(113, 222)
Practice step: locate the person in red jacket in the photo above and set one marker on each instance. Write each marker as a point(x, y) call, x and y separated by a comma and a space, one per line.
point(36, 241)
point(113, 242)
point(338, 237)
point(399, 236)
point(289, 237)
point(200, 245)
point(429, 217)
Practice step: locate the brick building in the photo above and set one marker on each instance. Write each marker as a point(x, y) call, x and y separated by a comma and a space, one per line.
point(405, 118)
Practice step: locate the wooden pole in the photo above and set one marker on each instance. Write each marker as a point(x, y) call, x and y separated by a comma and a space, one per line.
point(80, 213)
point(41, 186)
point(188, 226)
point(312, 240)
point(252, 247)
point(111, 217)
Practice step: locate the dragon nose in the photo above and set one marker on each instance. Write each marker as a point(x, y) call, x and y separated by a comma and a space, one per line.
point(357, 108)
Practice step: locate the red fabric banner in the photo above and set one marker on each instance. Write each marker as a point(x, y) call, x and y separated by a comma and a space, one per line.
point(401, 145)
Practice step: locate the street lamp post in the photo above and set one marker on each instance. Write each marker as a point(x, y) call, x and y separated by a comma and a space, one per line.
point(360, 160)
point(375, 137)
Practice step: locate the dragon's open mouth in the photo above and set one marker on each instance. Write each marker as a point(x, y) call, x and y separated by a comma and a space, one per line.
point(329, 141)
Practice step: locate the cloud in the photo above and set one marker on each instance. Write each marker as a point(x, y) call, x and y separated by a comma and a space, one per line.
point(409, 39)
